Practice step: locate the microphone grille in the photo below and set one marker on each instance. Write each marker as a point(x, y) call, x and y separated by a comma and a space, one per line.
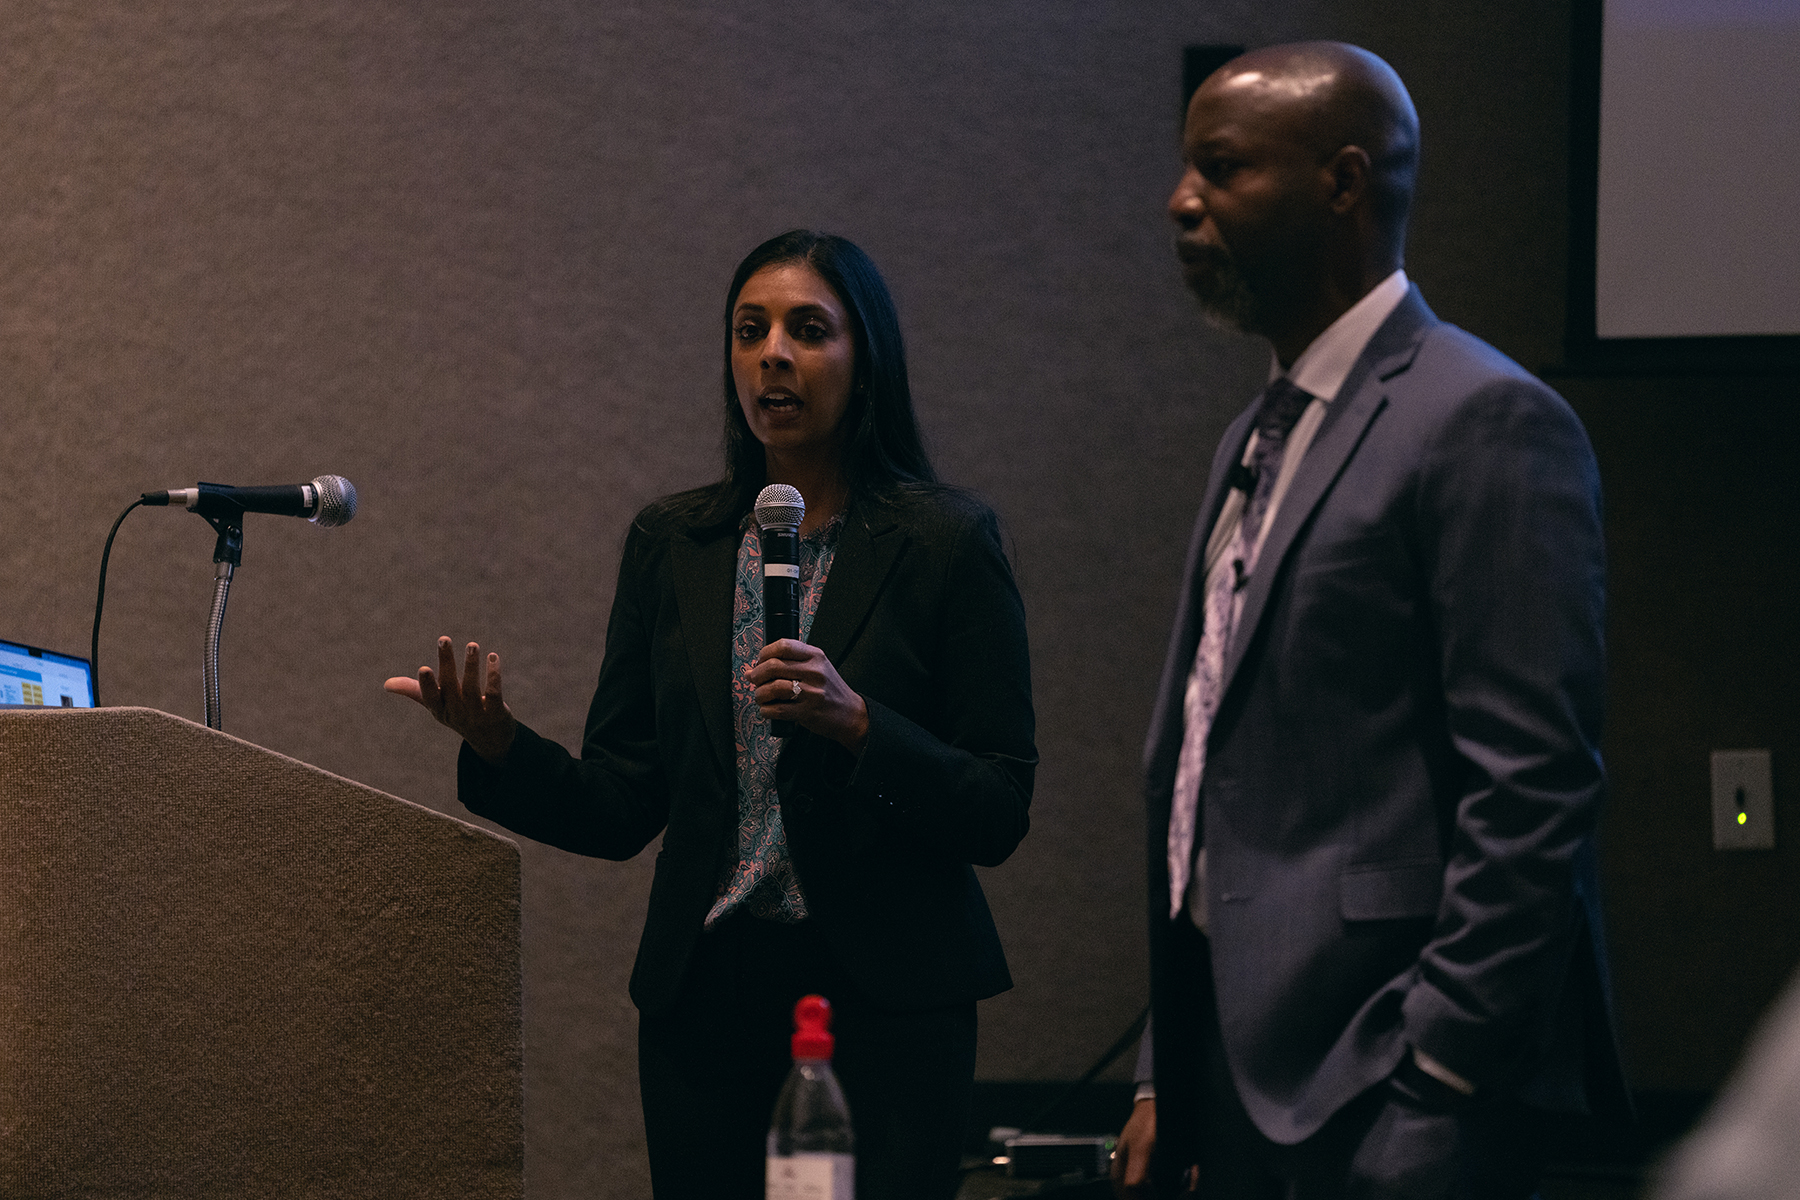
point(779, 504)
point(337, 501)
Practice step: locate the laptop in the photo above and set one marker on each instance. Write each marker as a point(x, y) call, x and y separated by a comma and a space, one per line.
point(34, 678)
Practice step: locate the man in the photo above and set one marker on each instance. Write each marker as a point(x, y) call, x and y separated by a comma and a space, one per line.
point(1372, 774)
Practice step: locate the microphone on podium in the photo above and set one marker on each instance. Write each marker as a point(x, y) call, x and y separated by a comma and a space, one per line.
point(779, 511)
point(328, 501)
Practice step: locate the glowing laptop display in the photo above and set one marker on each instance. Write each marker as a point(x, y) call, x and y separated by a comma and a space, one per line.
point(43, 678)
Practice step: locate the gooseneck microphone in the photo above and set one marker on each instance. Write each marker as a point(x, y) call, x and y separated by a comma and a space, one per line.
point(779, 511)
point(329, 500)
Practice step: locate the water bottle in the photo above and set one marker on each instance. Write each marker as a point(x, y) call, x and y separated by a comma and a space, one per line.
point(811, 1150)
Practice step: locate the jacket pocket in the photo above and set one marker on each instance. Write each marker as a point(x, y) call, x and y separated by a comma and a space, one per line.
point(1391, 891)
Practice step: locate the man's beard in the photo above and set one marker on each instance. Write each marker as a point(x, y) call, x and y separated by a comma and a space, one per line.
point(1225, 294)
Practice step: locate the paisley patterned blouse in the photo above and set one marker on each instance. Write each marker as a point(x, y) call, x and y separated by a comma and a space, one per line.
point(762, 880)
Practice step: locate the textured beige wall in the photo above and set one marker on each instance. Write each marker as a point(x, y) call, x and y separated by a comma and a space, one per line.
point(469, 254)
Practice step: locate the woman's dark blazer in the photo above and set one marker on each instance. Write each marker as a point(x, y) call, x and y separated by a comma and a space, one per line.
point(921, 616)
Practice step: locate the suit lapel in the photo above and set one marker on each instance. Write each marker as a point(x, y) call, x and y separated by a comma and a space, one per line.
point(1347, 420)
point(1230, 451)
point(705, 590)
point(867, 548)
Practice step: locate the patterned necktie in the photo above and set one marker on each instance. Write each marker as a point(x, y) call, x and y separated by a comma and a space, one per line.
point(1280, 407)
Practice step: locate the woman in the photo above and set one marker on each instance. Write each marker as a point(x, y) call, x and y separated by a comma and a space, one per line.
point(836, 860)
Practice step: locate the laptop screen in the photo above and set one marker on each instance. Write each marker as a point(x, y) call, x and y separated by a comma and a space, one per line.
point(43, 678)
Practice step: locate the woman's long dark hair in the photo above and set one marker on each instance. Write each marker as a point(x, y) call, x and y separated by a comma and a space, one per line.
point(883, 452)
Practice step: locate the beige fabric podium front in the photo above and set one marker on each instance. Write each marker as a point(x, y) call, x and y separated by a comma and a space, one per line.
point(224, 973)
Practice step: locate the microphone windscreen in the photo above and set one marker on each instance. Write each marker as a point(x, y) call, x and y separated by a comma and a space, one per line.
point(337, 500)
point(779, 504)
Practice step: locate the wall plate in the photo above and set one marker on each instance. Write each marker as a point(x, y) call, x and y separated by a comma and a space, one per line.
point(1743, 800)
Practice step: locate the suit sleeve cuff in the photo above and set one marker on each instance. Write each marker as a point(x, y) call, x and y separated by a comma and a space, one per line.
point(1423, 1090)
point(1441, 1073)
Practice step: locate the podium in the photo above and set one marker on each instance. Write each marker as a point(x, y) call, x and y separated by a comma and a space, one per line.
point(224, 973)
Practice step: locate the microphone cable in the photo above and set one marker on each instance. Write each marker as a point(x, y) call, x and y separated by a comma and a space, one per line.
point(1132, 1033)
point(100, 598)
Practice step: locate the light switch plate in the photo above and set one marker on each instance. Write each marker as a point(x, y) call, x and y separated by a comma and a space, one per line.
point(1743, 800)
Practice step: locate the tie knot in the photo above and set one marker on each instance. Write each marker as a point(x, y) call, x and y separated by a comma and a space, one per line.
point(1282, 404)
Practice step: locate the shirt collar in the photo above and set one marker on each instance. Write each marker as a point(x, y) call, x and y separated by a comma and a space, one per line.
point(1324, 365)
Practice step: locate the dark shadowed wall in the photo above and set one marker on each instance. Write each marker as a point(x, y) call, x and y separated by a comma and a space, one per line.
point(471, 255)
point(1702, 497)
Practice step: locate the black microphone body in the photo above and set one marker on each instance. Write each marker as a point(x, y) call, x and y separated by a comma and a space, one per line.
point(779, 511)
point(781, 583)
point(328, 500)
point(280, 500)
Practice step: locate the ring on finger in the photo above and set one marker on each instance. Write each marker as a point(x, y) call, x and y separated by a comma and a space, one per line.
point(795, 684)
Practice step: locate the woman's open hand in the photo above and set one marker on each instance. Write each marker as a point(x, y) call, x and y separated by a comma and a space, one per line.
point(475, 711)
point(796, 682)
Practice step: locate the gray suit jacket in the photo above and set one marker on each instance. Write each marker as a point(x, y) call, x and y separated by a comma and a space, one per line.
point(1403, 775)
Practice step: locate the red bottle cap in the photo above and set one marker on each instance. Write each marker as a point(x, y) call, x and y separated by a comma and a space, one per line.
point(812, 1019)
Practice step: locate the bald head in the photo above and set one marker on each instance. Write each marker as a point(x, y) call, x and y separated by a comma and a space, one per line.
point(1330, 95)
point(1299, 175)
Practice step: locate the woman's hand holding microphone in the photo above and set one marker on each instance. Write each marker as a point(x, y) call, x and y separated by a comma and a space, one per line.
point(796, 682)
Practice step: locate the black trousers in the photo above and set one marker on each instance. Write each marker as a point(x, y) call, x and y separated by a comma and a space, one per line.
point(710, 1068)
point(1382, 1144)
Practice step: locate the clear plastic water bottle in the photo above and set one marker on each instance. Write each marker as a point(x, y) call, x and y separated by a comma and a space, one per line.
point(811, 1149)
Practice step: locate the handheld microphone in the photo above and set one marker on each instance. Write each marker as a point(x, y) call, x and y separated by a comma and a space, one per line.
point(329, 500)
point(779, 511)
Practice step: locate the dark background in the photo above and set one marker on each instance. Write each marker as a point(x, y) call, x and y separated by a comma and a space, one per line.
point(472, 254)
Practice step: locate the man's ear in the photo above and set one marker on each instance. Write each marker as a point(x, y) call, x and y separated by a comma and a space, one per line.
point(1350, 170)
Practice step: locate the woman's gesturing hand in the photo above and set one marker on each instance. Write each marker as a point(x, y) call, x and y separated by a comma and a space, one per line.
point(796, 682)
point(475, 711)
